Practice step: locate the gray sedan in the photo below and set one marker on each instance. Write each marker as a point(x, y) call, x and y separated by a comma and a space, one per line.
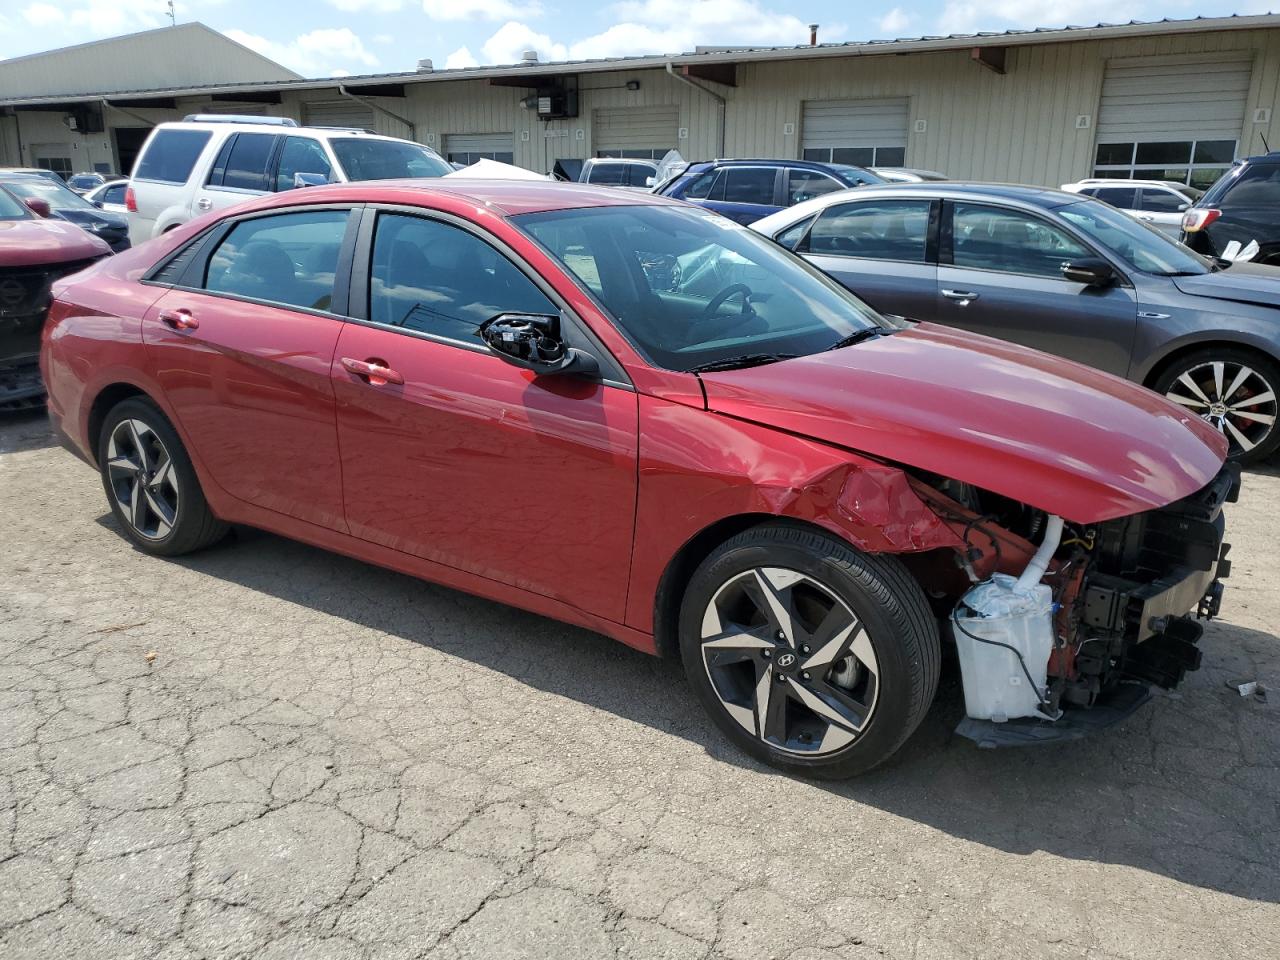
point(1065, 274)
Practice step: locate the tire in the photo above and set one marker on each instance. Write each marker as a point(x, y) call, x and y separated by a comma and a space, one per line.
point(150, 483)
point(847, 638)
point(1198, 383)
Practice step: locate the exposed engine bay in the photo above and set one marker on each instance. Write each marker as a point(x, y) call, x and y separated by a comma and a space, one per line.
point(1127, 597)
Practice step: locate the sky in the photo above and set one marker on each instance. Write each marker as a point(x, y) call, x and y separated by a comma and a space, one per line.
point(324, 38)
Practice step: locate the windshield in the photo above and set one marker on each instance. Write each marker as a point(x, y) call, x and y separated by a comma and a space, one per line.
point(859, 175)
point(689, 287)
point(57, 196)
point(1141, 247)
point(11, 208)
point(386, 159)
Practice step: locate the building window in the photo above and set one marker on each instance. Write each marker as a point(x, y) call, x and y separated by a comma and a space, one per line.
point(468, 157)
point(641, 153)
point(1196, 163)
point(859, 156)
point(59, 165)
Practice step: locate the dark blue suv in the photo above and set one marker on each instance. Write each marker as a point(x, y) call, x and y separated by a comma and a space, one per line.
point(746, 190)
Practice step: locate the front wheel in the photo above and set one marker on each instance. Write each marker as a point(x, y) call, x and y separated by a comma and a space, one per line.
point(809, 655)
point(1234, 390)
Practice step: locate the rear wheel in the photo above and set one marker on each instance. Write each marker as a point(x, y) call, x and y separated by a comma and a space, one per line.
point(1235, 390)
point(809, 655)
point(150, 482)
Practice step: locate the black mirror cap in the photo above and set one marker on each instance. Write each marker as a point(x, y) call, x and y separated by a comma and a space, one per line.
point(533, 342)
point(1092, 272)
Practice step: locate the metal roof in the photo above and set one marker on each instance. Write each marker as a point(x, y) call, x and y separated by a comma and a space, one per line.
point(925, 44)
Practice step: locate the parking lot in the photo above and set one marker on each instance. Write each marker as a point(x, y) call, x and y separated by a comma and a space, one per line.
point(265, 750)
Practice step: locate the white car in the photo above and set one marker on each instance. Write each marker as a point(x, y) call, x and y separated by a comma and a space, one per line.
point(1160, 203)
point(907, 175)
point(626, 172)
point(212, 161)
point(109, 196)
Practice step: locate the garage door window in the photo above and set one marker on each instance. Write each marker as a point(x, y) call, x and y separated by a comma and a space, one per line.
point(859, 156)
point(1197, 163)
point(892, 230)
point(468, 157)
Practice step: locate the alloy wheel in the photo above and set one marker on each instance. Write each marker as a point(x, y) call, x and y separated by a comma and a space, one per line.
point(789, 661)
point(1232, 396)
point(142, 479)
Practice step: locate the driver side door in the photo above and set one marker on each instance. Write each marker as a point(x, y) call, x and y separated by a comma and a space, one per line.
point(457, 457)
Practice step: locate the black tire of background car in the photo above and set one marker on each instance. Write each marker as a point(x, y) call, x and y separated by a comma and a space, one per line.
point(884, 596)
point(1265, 367)
point(195, 526)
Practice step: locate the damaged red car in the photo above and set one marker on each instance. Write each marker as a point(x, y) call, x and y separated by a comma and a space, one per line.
point(636, 416)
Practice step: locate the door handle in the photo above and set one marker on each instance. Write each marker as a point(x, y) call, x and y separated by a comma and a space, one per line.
point(204, 203)
point(180, 319)
point(964, 296)
point(375, 372)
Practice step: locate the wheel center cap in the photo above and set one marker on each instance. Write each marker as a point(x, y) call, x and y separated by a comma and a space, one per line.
point(786, 662)
point(1218, 409)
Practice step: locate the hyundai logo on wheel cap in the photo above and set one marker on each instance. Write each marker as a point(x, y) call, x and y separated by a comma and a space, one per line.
point(787, 660)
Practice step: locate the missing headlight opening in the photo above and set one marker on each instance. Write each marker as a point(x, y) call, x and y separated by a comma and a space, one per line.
point(1101, 613)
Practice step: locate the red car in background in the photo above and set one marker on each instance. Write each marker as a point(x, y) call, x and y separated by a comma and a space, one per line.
point(633, 415)
point(34, 252)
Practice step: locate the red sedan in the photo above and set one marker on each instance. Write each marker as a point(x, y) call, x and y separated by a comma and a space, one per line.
point(633, 415)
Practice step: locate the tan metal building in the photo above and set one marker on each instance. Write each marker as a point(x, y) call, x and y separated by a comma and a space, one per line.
point(1172, 100)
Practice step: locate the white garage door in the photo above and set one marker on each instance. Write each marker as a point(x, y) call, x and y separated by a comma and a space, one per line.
point(1172, 118)
point(337, 113)
point(868, 133)
point(467, 148)
point(645, 133)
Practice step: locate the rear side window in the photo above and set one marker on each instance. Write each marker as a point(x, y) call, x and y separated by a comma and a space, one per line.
point(883, 230)
point(1257, 185)
point(171, 155)
point(749, 185)
point(289, 258)
point(243, 161)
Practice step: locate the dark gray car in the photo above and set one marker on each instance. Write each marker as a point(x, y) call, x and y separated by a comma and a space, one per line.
point(1062, 273)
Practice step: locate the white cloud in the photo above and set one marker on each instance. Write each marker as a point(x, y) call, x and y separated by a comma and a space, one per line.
point(314, 53)
point(461, 58)
point(339, 73)
point(895, 21)
point(510, 41)
point(43, 15)
point(479, 9)
point(969, 16)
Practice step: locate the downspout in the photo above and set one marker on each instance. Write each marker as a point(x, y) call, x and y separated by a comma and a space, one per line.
point(710, 93)
point(413, 127)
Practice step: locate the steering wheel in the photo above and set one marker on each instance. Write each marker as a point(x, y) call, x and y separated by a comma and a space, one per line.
point(719, 299)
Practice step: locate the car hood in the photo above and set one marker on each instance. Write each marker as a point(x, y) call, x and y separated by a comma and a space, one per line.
point(83, 217)
point(1047, 432)
point(1240, 283)
point(34, 243)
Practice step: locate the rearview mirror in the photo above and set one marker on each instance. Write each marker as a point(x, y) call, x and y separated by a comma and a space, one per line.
point(39, 207)
point(1092, 272)
point(533, 342)
point(309, 180)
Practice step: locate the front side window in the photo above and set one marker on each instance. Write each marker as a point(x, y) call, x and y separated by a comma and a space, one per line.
point(881, 230)
point(689, 287)
point(1140, 246)
point(640, 174)
point(170, 155)
point(301, 155)
point(114, 193)
point(1010, 241)
point(242, 163)
point(436, 278)
point(701, 188)
point(1122, 198)
point(806, 184)
point(368, 159)
point(287, 258)
point(1155, 200)
point(749, 185)
point(608, 174)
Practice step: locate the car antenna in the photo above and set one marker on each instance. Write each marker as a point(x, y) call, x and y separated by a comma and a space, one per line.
point(1265, 145)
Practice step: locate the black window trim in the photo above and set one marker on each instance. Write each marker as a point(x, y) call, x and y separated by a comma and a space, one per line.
point(930, 238)
point(946, 250)
point(193, 275)
point(273, 159)
point(612, 373)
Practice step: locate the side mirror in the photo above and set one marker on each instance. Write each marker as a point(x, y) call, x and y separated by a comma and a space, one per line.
point(533, 342)
point(309, 180)
point(97, 203)
point(650, 181)
point(1183, 207)
point(39, 207)
point(1092, 272)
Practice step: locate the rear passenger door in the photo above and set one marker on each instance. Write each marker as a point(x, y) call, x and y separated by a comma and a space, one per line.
point(746, 194)
point(239, 172)
point(882, 250)
point(1000, 274)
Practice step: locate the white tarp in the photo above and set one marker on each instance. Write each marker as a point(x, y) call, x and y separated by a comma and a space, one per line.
point(485, 169)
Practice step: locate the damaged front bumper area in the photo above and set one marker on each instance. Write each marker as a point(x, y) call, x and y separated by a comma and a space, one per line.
point(1130, 597)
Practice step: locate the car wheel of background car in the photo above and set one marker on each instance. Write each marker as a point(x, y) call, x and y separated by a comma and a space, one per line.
point(1235, 390)
point(150, 482)
point(811, 656)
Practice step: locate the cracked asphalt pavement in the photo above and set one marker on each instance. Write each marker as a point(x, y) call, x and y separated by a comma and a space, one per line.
point(268, 751)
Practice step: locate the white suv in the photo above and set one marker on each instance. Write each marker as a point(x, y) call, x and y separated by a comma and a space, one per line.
point(1158, 202)
point(210, 162)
